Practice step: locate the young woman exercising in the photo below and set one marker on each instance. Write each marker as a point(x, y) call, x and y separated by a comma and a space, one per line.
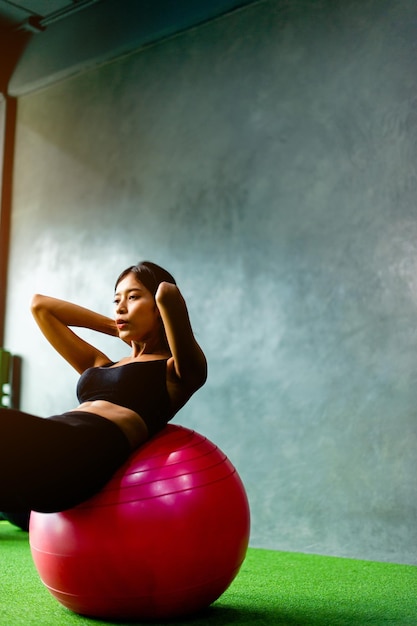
point(51, 464)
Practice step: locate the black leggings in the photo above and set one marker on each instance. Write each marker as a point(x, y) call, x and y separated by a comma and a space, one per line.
point(52, 464)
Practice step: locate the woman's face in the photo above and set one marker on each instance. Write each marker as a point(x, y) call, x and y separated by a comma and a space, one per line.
point(136, 314)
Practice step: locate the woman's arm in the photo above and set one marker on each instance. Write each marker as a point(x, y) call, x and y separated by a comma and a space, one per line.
point(54, 317)
point(189, 360)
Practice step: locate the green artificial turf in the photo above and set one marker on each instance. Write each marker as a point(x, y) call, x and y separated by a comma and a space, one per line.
point(272, 589)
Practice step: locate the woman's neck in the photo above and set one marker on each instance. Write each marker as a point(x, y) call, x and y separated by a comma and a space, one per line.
point(148, 348)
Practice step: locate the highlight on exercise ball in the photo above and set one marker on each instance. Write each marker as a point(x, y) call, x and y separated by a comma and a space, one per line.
point(164, 538)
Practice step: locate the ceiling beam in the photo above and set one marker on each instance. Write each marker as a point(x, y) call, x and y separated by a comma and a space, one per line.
point(104, 31)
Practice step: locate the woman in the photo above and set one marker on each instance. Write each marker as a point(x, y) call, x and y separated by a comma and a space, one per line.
point(55, 463)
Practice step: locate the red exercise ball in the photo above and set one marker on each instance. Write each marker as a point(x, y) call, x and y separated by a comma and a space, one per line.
point(164, 538)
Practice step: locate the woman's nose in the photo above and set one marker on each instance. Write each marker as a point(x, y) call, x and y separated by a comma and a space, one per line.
point(120, 306)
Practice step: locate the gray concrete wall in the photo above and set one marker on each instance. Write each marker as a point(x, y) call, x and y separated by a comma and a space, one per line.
point(268, 159)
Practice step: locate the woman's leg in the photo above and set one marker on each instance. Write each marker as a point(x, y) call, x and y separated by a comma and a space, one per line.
point(23, 442)
point(55, 463)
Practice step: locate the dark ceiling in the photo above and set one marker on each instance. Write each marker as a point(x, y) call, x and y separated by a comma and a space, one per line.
point(42, 41)
point(37, 14)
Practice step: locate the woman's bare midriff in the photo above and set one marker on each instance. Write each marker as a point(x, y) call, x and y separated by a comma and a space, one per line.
point(127, 420)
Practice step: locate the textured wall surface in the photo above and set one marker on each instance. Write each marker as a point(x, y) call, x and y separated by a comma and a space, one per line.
point(268, 159)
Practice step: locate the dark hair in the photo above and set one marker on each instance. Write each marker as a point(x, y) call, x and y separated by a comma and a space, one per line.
point(149, 274)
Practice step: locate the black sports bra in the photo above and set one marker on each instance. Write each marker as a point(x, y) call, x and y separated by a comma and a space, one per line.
point(139, 386)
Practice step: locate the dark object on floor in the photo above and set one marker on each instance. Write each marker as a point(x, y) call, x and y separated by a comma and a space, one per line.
point(17, 519)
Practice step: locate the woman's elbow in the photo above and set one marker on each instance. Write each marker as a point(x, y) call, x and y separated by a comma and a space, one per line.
point(37, 302)
point(199, 374)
